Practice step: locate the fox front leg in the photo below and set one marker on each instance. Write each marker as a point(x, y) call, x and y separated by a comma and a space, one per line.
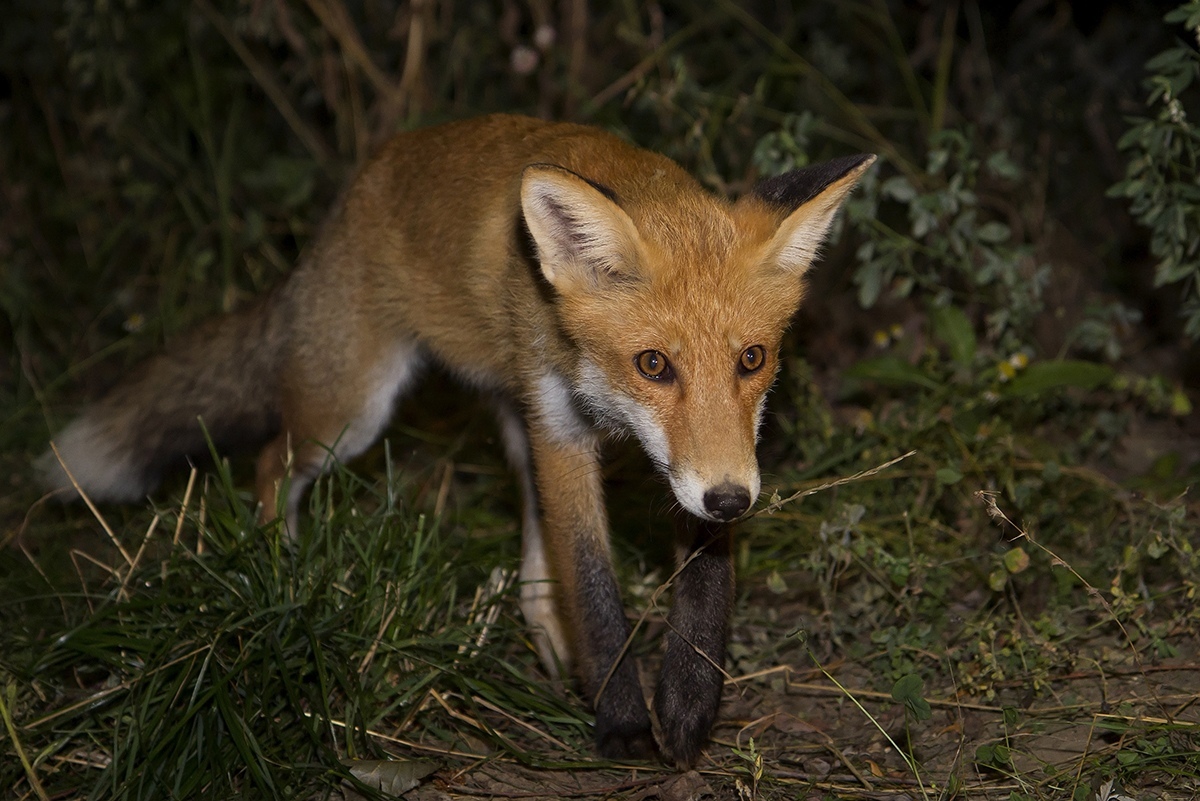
point(689, 687)
point(575, 531)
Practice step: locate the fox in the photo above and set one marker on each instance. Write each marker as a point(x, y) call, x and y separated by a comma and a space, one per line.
point(595, 290)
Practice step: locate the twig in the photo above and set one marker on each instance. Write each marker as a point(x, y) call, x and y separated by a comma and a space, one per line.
point(775, 506)
point(473, 722)
point(486, 704)
point(187, 497)
point(123, 592)
point(653, 602)
point(414, 59)
point(908, 760)
point(641, 68)
point(336, 21)
point(559, 792)
point(311, 141)
point(369, 656)
point(378, 735)
point(951, 703)
point(853, 111)
point(841, 757)
point(100, 695)
point(30, 773)
point(95, 512)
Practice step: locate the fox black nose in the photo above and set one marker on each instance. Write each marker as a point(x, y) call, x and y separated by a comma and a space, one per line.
point(727, 501)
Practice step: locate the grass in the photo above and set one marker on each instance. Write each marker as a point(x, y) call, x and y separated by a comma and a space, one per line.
point(218, 644)
point(201, 653)
point(892, 637)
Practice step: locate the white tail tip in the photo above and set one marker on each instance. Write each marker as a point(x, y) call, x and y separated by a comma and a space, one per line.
point(100, 467)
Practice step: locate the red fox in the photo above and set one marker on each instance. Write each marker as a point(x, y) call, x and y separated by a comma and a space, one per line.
point(595, 288)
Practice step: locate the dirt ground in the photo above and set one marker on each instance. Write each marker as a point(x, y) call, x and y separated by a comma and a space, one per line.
point(817, 740)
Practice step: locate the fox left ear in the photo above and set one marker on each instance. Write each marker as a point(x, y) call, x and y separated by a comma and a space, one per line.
point(584, 239)
point(811, 197)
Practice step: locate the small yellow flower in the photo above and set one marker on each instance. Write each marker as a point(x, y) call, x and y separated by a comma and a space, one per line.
point(1007, 370)
point(1019, 361)
point(881, 338)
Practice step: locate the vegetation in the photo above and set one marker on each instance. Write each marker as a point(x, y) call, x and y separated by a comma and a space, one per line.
point(1012, 611)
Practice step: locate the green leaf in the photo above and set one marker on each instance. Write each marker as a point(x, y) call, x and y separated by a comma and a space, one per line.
point(776, 584)
point(891, 370)
point(1181, 405)
point(951, 326)
point(1044, 377)
point(899, 188)
point(993, 754)
point(994, 233)
point(948, 475)
point(870, 283)
point(1167, 58)
point(908, 690)
point(1188, 14)
point(1016, 560)
point(997, 579)
point(1000, 165)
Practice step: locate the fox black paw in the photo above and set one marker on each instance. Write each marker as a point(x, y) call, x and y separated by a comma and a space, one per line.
point(686, 707)
point(683, 740)
point(625, 739)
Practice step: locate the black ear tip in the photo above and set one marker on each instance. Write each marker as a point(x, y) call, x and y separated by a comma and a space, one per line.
point(795, 188)
point(848, 163)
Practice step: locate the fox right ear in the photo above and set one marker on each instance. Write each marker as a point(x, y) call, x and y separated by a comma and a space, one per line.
point(810, 197)
point(584, 239)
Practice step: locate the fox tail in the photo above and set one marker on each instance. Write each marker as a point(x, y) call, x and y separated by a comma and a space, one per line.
point(224, 374)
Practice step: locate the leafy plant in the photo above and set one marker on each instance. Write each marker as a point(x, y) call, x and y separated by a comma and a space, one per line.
point(950, 249)
point(1164, 162)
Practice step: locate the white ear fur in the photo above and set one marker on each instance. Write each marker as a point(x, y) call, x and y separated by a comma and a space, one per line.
point(799, 237)
point(583, 238)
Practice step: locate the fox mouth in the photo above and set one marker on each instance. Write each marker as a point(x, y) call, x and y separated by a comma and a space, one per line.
point(722, 503)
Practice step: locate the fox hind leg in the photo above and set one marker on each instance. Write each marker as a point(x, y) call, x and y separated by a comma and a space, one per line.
point(330, 417)
point(539, 594)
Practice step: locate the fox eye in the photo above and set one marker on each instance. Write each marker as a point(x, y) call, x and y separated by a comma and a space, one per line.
point(752, 359)
point(653, 365)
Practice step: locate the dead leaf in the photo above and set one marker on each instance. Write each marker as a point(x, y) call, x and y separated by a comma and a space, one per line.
point(391, 777)
point(689, 786)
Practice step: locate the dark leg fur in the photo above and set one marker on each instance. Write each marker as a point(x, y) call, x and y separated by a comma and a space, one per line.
point(689, 689)
point(622, 722)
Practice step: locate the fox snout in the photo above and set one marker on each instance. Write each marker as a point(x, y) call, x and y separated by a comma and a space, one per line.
point(719, 501)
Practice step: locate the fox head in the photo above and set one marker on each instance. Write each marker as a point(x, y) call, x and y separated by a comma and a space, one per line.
point(676, 301)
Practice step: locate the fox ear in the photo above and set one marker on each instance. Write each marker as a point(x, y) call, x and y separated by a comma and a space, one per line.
point(584, 239)
point(810, 197)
